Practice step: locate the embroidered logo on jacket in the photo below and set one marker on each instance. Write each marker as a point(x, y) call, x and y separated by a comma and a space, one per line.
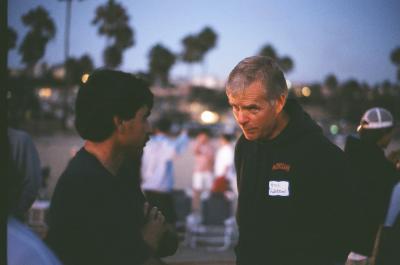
point(281, 166)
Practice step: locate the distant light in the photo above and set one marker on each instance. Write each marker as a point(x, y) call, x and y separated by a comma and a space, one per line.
point(45, 92)
point(288, 84)
point(85, 78)
point(334, 129)
point(306, 91)
point(209, 117)
point(59, 73)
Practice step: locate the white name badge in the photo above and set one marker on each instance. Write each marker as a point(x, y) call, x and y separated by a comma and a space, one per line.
point(278, 188)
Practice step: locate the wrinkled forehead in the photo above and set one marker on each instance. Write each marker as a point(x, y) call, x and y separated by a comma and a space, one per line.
point(253, 94)
point(242, 89)
point(240, 82)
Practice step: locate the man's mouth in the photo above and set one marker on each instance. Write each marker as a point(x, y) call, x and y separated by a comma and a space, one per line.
point(249, 130)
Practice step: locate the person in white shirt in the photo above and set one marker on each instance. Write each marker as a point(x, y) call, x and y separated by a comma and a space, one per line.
point(224, 165)
point(203, 176)
point(158, 170)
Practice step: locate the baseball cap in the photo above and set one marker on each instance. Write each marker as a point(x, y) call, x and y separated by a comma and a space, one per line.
point(376, 118)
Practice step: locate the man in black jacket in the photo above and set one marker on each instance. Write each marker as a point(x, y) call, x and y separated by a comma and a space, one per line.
point(375, 177)
point(291, 179)
point(98, 214)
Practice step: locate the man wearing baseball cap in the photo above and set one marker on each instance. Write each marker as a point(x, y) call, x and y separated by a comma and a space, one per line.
point(374, 177)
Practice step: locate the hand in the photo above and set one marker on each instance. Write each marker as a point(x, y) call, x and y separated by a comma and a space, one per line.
point(394, 157)
point(169, 242)
point(154, 227)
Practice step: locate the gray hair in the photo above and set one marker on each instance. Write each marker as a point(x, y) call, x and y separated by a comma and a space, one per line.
point(257, 68)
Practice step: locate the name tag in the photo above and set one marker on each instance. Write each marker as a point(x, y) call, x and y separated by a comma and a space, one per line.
point(278, 188)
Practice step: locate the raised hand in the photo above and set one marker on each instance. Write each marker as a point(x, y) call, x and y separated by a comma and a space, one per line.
point(155, 226)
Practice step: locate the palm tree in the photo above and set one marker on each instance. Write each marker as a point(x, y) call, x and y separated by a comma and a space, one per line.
point(207, 39)
point(269, 51)
point(192, 49)
point(112, 21)
point(77, 67)
point(42, 30)
point(112, 56)
point(395, 58)
point(285, 62)
point(12, 38)
point(331, 81)
point(196, 46)
point(161, 62)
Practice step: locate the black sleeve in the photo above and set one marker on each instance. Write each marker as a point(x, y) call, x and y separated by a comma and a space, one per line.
point(95, 226)
point(334, 199)
point(238, 160)
point(124, 222)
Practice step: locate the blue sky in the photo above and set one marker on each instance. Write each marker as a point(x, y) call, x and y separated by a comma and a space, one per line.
point(350, 38)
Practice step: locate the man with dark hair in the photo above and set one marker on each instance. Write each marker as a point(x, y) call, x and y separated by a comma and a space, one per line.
point(291, 179)
point(98, 214)
point(375, 177)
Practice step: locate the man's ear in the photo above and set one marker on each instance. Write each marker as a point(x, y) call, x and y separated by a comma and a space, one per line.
point(118, 123)
point(280, 102)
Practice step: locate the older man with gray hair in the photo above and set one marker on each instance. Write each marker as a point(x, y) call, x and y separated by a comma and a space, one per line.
point(292, 181)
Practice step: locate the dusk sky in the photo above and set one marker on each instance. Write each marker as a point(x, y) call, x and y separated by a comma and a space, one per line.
point(350, 38)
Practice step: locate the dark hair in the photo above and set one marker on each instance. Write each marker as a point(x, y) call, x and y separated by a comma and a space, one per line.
point(258, 68)
point(204, 130)
point(164, 125)
point(227, 137)
point(106, 94)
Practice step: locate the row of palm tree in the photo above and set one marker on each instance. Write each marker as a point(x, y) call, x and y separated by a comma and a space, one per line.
point(395, 58)
point(112, 21)
point(285, 62)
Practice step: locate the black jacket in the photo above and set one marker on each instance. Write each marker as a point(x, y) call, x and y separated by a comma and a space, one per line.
point(306, 224)
point(374, 177)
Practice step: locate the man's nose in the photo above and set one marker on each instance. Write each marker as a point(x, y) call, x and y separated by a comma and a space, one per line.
point(241, 118)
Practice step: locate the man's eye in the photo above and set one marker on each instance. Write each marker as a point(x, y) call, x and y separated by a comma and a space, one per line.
point(254, 110)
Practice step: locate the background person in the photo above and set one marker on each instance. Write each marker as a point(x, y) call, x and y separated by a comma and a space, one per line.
point(23, 179)
point(374, 175)
point(203, 167)
point(225, 177)
point(157, 167)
